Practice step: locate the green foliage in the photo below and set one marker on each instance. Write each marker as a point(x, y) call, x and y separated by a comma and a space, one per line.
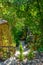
point(40, 49)
point(34, 46)
point(21, 56)
point(17, 31)
point(11, 11)
point(30, 55)
point(21, 48)
point(15, 11)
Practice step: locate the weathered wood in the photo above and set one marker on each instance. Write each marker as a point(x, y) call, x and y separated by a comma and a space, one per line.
point(5, 37)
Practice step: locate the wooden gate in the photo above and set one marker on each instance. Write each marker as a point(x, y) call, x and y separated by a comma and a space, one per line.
point(6, 48)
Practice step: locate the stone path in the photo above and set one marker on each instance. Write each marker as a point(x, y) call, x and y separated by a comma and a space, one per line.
point(13, 61)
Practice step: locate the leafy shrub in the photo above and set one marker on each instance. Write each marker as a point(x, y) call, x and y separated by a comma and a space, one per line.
point(34, 46)
point(40, 49)
point(21, 57)
point(30, 55)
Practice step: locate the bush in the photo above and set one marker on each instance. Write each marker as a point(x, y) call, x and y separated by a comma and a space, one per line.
point(40, 49)
point(30, 55)
point(34, 46)
point(21, 57)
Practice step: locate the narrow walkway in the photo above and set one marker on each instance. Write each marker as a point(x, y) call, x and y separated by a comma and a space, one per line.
point(26, 50)
point(13, 60)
